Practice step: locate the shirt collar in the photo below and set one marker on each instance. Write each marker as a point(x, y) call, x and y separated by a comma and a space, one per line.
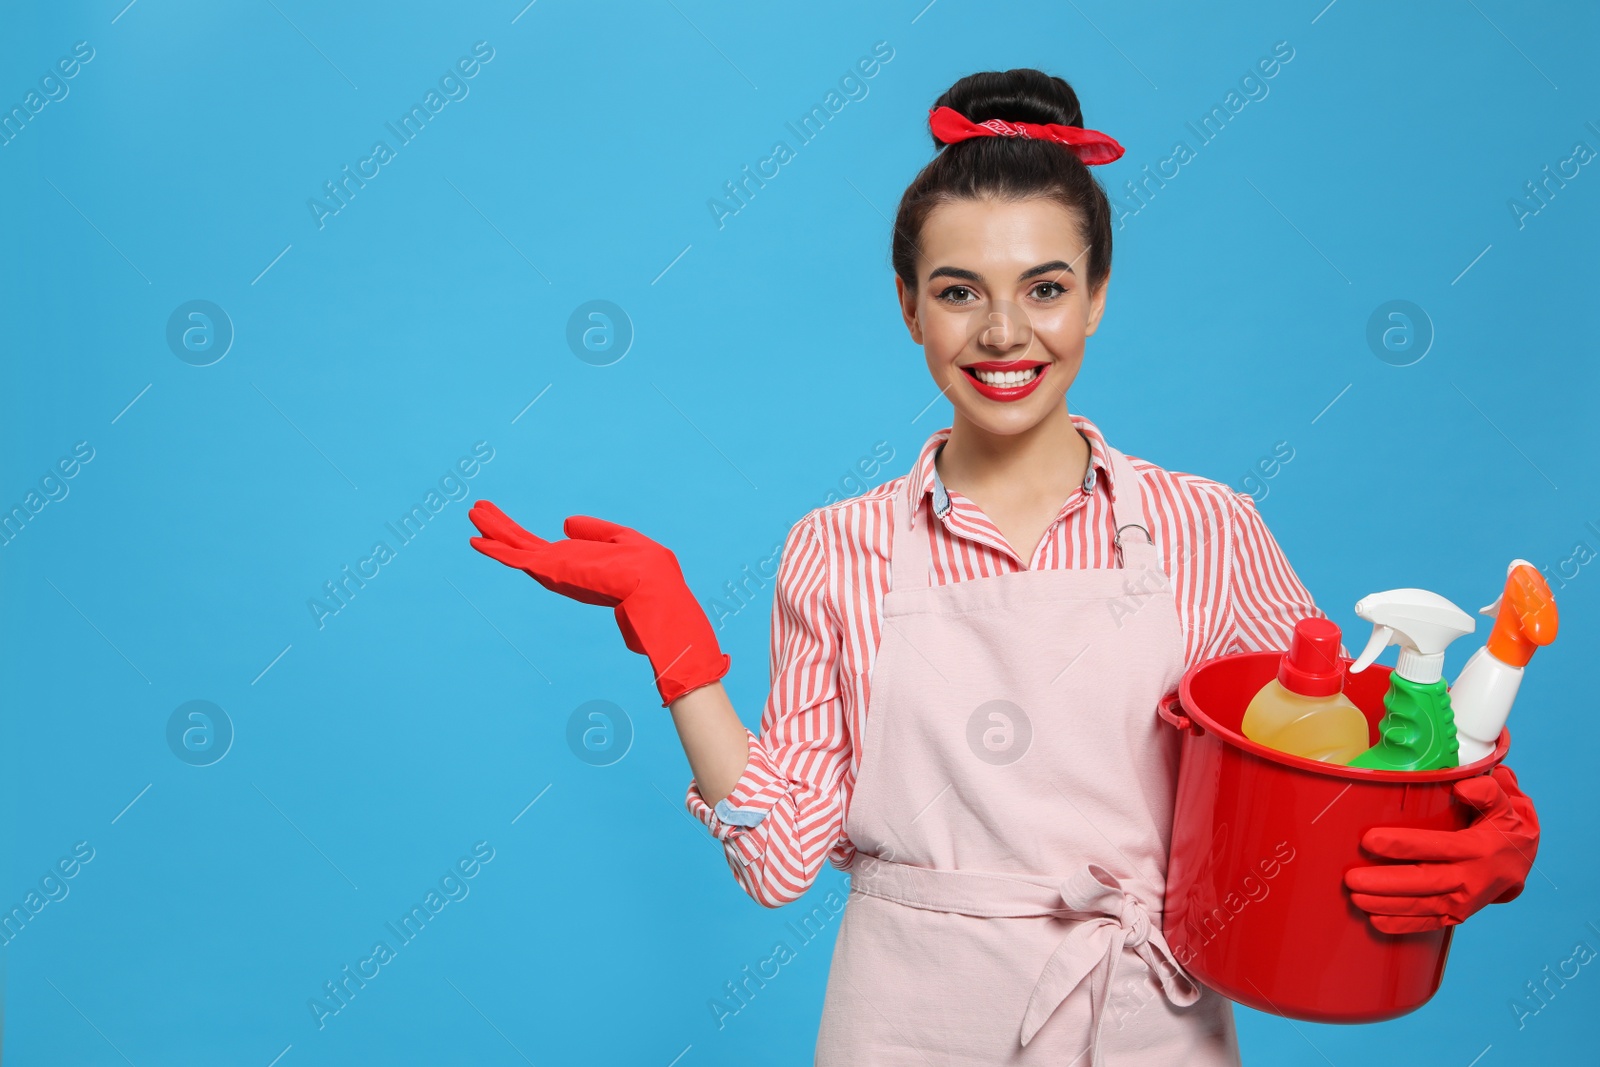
point(925, 475)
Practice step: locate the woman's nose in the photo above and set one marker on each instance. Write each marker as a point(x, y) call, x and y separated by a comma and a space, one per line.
point(1005, 328)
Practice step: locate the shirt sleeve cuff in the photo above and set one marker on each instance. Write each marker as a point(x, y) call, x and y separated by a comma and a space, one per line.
point(738, 816)
point(752, 798)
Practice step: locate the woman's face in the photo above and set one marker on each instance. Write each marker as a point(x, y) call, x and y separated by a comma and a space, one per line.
point(1002, 294)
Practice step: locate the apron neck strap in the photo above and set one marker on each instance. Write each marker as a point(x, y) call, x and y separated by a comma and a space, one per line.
point(1129, 513)
point(911, 550)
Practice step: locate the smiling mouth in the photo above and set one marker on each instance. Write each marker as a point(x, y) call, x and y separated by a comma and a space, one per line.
point(1008, 374)
point(1006, 381)
point(1009, 379)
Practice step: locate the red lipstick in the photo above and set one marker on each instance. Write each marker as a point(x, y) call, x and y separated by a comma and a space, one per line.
point(1005, 392)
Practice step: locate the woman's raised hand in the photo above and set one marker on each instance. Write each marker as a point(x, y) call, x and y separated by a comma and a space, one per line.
point(583, 569)
point(603, 563)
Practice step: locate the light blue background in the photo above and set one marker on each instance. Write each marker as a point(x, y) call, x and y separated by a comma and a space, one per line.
point(768, 360)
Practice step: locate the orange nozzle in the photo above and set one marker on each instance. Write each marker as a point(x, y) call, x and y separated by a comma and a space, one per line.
point(1524, 615)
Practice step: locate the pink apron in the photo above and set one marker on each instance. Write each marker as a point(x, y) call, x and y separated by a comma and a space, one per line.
point(1012, 814)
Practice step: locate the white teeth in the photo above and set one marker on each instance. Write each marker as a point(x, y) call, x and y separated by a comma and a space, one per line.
point(1008, 377)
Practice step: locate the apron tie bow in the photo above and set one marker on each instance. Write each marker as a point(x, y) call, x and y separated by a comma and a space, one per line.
point(1136, 921)
point(1110, 920)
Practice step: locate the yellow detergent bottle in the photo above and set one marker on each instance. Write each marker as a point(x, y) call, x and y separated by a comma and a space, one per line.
point(1302, 711)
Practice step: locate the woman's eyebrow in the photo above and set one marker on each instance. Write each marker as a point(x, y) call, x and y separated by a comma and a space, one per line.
point(1052, 267)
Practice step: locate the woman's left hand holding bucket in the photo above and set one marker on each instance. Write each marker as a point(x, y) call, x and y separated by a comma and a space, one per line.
point(1453, 873)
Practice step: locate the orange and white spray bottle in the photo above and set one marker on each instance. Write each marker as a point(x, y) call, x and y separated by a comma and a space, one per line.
point(1481, 696)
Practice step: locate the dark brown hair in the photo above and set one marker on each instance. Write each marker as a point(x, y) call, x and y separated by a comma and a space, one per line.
point(1007, 168)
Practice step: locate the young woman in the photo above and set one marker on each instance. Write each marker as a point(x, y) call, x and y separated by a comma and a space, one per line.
point(966, 660)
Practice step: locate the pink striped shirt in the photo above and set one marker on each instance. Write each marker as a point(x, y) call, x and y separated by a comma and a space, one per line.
point(1235, 592)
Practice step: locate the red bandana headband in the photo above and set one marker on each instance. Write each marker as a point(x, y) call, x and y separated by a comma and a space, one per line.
point(1090, 146)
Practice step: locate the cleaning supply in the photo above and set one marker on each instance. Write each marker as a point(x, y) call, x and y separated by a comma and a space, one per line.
point(1263, 845)
point(1418, 730)
point(1302, 711)
point(1524, 618)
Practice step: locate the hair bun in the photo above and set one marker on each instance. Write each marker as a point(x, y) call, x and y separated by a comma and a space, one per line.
point(1022, 94)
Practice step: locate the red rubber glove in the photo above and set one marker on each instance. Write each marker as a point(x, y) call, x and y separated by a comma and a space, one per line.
point(603, 563)
point(1460, 870)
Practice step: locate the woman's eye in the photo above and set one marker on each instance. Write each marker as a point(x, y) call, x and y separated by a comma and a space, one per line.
point(1059, 289)
point(946, 297)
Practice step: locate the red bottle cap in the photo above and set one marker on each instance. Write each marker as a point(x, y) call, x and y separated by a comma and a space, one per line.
point(1311, 666)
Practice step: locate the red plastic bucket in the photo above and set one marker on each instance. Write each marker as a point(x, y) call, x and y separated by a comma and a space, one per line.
point(1256, 906)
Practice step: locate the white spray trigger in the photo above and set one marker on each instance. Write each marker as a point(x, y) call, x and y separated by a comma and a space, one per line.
point(1378, 642)
point(1420, 622)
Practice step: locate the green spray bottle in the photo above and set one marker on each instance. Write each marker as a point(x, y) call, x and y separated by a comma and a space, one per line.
point(1418, 729)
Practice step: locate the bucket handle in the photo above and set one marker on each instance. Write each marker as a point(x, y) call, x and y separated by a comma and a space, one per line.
point(1170, 708)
